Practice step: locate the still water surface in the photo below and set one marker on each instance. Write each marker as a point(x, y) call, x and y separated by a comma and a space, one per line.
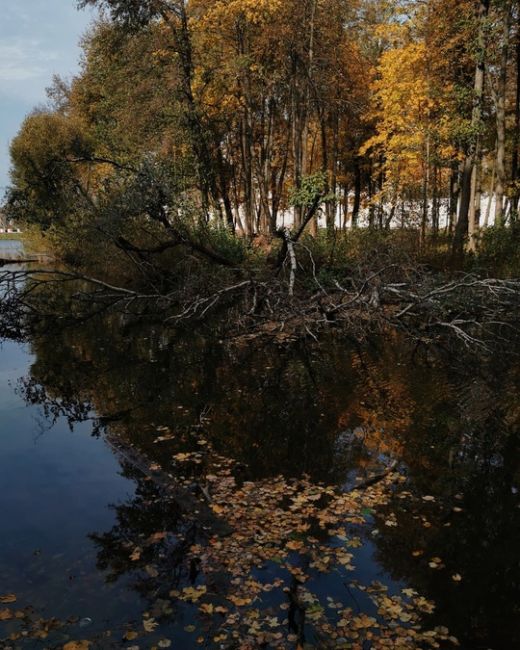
point(10, 248)
point(72, 503)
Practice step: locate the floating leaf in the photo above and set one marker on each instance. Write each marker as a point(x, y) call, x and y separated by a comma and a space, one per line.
point(151, 571)
point(239, 601)
point(150, 624)
point(136, 554)
point(193, 593)
point(182, 458)
point(294, 545)
point(8, 598)
point(409, 592)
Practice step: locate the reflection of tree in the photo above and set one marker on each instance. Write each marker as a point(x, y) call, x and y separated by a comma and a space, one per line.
point(472, 467)
point(453, 420)
point(157, 563)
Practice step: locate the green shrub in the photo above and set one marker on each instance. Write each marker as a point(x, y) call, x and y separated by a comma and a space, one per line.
point(499, 251)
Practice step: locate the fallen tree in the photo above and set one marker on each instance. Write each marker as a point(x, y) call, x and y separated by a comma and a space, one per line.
point(427, 306)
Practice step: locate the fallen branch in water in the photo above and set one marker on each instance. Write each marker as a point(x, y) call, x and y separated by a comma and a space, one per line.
point(477, 311)
point(194, 508)
point(374, 480)
point(8, 261)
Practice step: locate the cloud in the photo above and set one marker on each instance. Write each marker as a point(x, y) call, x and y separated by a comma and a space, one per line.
point(38, 38)
point(22, 60)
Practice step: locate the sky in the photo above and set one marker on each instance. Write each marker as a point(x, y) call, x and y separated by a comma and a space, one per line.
point(38, 38)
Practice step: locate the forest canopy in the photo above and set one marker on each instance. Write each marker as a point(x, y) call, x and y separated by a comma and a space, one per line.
point(409, 111)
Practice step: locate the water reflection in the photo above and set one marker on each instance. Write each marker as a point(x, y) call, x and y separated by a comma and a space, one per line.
point(337, 413)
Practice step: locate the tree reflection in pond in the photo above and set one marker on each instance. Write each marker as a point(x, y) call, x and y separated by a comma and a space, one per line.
point(328, 414)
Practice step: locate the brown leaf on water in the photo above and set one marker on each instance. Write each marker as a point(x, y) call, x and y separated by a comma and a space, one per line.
point(151, 571)
point(6, 614)
point(131, 635)
point(182, 458)
point(77, 645)
point(8, 598)
point(363, 622)
point(240, 602)
point(150, 624)
point(193, 593)
point(294, 545)
point(136, 554)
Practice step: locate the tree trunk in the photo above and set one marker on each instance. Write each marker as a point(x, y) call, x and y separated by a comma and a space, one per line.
point(501, 117)
point(474, 212)
point(357, 193)
point(426, 193)
point(515, 176)
point(454, 197)
point(435, 201)
point(179, 26)
point(461, 229)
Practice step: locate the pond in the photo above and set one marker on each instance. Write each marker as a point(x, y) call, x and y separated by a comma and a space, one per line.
point(166, 489)
point(10, 248)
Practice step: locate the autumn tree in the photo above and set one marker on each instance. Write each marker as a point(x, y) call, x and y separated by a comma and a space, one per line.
point(48, 179)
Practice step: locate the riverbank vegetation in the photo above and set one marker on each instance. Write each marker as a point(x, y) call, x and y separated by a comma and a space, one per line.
point(288, 158)
point(291, 157)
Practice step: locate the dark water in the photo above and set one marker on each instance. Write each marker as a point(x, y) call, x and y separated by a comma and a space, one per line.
point(73, 504)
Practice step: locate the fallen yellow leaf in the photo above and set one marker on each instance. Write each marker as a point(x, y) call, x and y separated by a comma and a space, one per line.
point(149, 624)
point(294, 545)
point(240, 602)
point(136, 555)
point(8, 598)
